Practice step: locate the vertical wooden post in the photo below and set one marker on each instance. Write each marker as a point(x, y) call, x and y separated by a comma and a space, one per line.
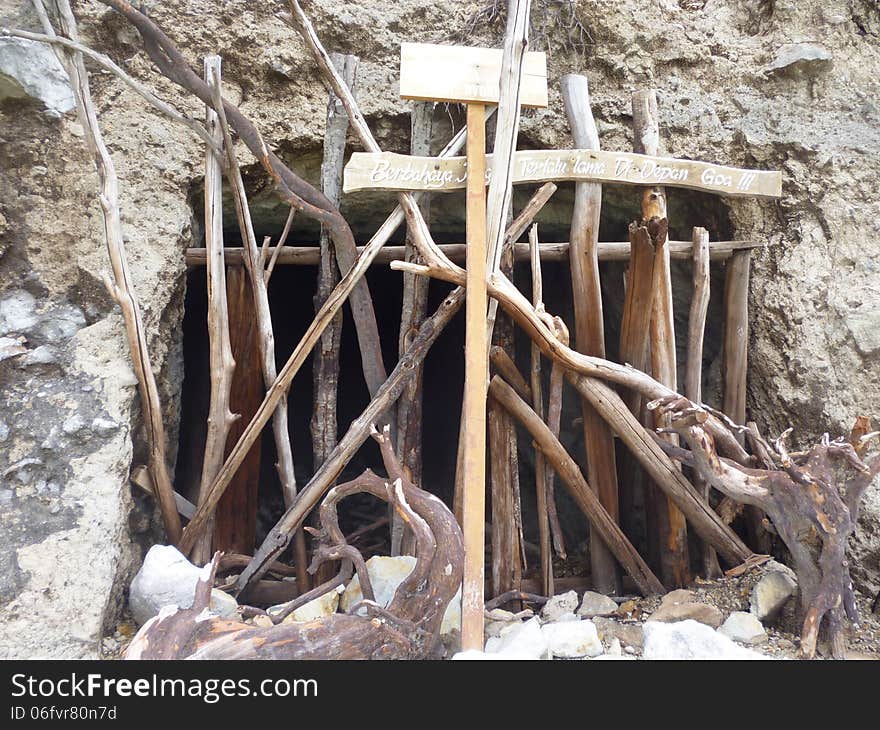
point(589, 329)
point(235, 524)
point(675, 568)
point(413, 310)
point(222, 365)
point(735, 367)
point(475, 384)
point(542, 492)
point(694, 369)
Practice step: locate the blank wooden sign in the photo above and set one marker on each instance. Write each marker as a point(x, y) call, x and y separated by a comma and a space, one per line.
point(466, 74)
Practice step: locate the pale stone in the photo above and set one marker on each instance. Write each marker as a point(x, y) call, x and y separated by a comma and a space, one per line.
point(386, 574)
point(630, 635)
point(678, 606)
point(572, 639)
point(559, 605)
point(690, 640)
point(477, 655)
point(770, 594)
point(525, 639)
point(804, 56)
point(744, 628)
point(167, 578)
point(596, 604)
point(321, 607)
point(31, 69)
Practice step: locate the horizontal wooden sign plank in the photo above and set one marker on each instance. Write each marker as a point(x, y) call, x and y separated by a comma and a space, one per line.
point(555, 252)
point(390, 171)
point(466, 74)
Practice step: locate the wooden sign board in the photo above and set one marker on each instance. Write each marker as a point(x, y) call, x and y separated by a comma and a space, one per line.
point(467, 75)
point(390, 171)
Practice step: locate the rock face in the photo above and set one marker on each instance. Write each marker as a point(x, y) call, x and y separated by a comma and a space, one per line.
point(72, 530)
point(167, 578)
point(680, 606)
point(386, 574)
point(691, 640)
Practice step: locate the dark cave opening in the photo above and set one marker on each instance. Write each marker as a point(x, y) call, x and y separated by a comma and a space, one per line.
point(291, 295)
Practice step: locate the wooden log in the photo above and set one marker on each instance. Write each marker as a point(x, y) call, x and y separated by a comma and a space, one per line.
point(359, 430)
point(694, 369)
point(221, 364)
point(455, 252)
point(235, 523)
point(474, 405)
point(674, 559)
point(661, 469)
point(541, 491)
point(506, 559)
point(325, 363)
point(508, 370)
point(413, 312)
point(554, 423)
point(734, 370)
point(580, 490)
point(589, 328)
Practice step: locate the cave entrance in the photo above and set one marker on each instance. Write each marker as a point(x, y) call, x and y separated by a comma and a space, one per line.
point(291, 292)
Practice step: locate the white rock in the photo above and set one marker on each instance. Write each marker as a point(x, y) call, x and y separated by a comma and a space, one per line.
point(690, 640)
point(28, 68)
point(167, 578)
point(476, 655)
point(771, 593)
point(523, 640)
point(18, 312)
point(567, 617)
point(559, 605)
point(11, 347)
point(596, 604)
point(614, 648)
point(386, 574)
point(744, 628)
point(571, 640)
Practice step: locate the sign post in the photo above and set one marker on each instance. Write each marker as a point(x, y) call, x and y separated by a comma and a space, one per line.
point(471, 76)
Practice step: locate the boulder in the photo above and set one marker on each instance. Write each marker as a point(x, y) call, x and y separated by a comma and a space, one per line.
point(525, 640)
point(559, 605)
point(680, 606)
point(809, 58)
point(630, 635)
point(691, 640)
point(596, 604)
point(386, 574)
point(572, 639)
point(771, 593)
point(31, 69)
point(167, 578)
point(320, 607)
point(744, 628)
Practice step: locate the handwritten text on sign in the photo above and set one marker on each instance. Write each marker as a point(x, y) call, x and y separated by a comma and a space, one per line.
point(390, 171)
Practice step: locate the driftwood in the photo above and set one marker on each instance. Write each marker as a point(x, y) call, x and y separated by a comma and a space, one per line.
point(694, 370)
point(121, 288)
point(671, 526)
point(812, 500)
point(408, 628)
point(221, 363)
point(589, 328)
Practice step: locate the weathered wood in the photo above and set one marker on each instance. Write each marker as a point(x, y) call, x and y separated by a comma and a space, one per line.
point(734, 369)
point(674, 559)
point(506, 560)
point(474, 404)
point(283, 447)
point(554, 423)
point(456, 252)
point(579, 489)
point(465, 74)
point(391, 171)
point(541, 491)
point(813, 502)
point(661, 469)
point(413, 312)
point(359, 430)
point(235, 523)
point(221, 364)
point(508, 370)
point(589, 328)
point(121, 288)
point(694, 369)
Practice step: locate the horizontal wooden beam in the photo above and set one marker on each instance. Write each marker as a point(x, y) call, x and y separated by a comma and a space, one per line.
point(609, 251)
